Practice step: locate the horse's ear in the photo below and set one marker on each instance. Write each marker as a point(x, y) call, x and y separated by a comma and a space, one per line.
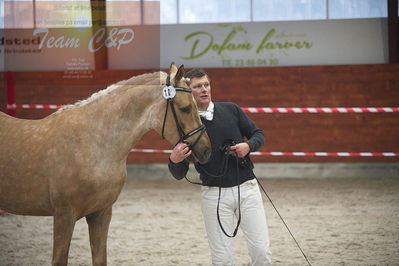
point(173, 70)
point(179, 74)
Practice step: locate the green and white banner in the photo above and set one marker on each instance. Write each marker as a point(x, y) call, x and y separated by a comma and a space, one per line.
point(326, 42)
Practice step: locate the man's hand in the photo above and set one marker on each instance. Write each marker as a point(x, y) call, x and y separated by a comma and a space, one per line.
point(242, 149)
point(180, 152)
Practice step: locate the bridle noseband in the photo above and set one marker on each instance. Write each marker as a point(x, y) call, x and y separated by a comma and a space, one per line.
point(169, 92)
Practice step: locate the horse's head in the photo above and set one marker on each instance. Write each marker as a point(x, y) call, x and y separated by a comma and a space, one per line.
point(181, 122)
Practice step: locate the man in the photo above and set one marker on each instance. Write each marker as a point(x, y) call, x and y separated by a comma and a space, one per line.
point(232, 134)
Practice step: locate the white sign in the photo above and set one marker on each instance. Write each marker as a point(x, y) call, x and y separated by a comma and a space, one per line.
point(324, 42)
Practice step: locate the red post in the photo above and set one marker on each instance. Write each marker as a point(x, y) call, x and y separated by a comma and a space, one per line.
point(10, 85)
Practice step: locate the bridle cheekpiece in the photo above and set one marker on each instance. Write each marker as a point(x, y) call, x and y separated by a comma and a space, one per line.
point(169, 92)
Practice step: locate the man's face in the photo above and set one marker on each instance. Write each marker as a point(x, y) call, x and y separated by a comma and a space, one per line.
point(201, 88)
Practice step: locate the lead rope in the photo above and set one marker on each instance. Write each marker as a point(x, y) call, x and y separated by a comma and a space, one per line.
point(286, 226)
point(223, 172)
point(239, 202)
point(239, 205)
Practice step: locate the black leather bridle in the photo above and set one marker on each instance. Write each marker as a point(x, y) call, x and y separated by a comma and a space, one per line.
point(169, 101)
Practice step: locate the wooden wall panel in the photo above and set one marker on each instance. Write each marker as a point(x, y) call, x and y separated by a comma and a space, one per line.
point(310, 86)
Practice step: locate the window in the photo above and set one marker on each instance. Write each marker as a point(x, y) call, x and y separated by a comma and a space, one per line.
point(168, 11)
point(213, 11)
point(1, 14)
point(121, 13)
point(341, 9)
point(63, 14)
point(19, 14)
point(51, 14)
point(288, 10)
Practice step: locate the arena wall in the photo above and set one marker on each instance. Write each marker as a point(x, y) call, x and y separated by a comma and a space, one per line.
point(305, 86)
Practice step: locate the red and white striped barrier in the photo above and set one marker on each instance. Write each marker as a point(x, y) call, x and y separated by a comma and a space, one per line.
point(330, 154)
point(317, 154)
point(150, 151)
point(321, 110)
point(273, 110)
point(33, 106)
point(257, 109)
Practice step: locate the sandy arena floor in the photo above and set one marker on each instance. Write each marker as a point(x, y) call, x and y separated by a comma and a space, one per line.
point(159, 222)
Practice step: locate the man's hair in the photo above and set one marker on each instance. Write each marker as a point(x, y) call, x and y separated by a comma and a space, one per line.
point(196, 73)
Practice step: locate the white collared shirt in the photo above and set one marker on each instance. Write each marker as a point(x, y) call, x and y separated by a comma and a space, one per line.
point(208, 113)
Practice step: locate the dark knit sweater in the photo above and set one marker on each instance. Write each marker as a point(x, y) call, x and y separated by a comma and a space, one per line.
point(229, 123)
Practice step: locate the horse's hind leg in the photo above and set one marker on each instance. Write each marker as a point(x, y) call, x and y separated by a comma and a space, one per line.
point(98, 230)
point(64, 223)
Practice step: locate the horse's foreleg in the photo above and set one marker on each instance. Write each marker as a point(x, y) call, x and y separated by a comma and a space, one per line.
point(98, 230)
point(64, 223)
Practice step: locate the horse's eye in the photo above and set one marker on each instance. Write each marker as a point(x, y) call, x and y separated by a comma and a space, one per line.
point(186, 109)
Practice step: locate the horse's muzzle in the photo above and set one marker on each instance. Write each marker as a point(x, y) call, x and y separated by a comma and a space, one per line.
point(200, 154)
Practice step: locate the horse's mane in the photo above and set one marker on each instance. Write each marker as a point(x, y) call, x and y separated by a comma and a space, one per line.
point(144, 79)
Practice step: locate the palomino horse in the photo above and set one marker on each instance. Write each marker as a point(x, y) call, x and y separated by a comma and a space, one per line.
point(72, 164)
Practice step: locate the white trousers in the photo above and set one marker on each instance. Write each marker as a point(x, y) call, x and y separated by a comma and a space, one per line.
point(253, 223)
